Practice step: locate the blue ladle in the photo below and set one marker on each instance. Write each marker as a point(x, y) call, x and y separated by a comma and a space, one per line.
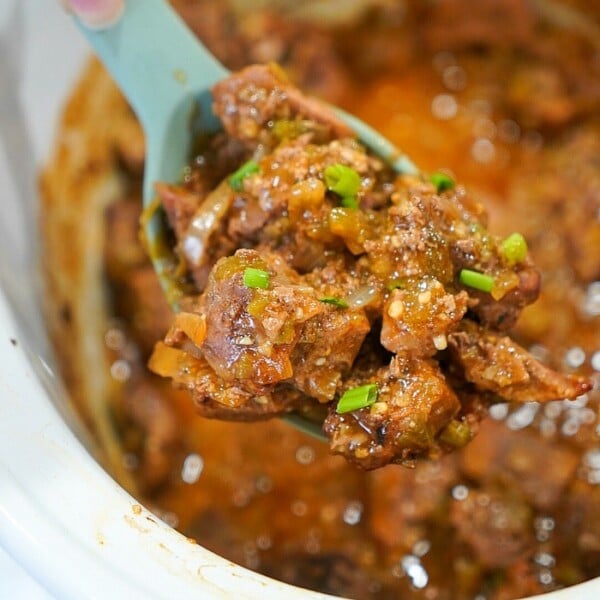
point(166, 75)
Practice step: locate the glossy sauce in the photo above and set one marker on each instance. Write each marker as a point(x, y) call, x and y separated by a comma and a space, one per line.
point(273, 500)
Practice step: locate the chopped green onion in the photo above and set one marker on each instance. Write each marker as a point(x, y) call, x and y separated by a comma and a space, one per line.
point(235, 180)
point(255, 278)
point(442, 181)
point(514, 248)
point(349, 202)
point(397, 284)
point(335, 301)
point(456, 433)
point(357, 397)
point(342, 180)
point(478, 281)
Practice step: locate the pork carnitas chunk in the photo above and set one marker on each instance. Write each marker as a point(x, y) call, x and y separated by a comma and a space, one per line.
point(329, 283)
point(418, 318)
point(249, 339)
point(258, 101)
point(413, 406)
point(496, 363)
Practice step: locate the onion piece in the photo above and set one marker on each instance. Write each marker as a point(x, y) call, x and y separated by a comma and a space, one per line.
point(177, 364)
point(193, 325)
point(363, 296)
point(204, 223)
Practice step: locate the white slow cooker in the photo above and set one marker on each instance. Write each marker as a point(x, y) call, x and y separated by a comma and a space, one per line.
point(62, 518)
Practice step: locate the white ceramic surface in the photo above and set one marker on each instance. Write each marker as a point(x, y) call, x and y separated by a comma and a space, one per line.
point(62, 518)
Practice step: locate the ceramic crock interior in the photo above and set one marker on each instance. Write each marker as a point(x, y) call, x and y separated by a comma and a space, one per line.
point(31, 96)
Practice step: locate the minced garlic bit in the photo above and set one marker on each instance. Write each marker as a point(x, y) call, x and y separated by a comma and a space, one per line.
point(425, 297)
point(440, 342)
point(361, 452)
point(379, 408)
point(395, 309)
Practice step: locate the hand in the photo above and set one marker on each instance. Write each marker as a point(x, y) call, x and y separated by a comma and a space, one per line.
point(96, 14)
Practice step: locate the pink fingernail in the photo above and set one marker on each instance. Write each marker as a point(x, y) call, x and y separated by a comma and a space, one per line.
point(97, 14)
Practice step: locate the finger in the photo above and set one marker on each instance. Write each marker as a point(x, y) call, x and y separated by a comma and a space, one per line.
point(96, 14)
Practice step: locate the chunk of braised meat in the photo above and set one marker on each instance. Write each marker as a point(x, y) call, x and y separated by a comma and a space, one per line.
point(249, 103)
point(391, 254)
point(260, 36)
point(439, 235)
point(327, 350)
point(414, 405)
point(417, 319)
point(541, 468)
point(196, 210)
point(496, 523)
point(540, 95)
point(148, 408)
point(503, 314)
point(405, 498)
point(329, 573)
point(141, 301)
point(580, 526)
point(251, 333)
point(240, 341)
point(213, 397)
point(199, 224)
point(522, 285)
point(452, 24)
point(545, 193)
point(522, 580)
point(497, 364)
point(138, 297)
point(179, 204)
point(124, 253)
point(284, 207)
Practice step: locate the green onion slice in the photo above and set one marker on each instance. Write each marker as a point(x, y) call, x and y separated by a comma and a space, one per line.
point(342, 180)
point(397, 284)
point(514, 248)
point(236, 179)
point(335, 301)
point(255, 278)
point(475, 280)
point(456, 433)
point(358, 397)
point(442, 181)
point(349, 202)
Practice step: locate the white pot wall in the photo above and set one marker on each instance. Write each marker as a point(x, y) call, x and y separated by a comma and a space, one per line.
point(61, 517)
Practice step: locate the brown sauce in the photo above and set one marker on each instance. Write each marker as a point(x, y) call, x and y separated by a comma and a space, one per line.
point(515, 512)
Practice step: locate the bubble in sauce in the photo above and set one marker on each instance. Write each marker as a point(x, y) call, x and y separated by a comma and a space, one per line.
point(591, 304)
point(483, 151)
point(305, 455)
point(442, 60)
point(508, 131)
point(120, 370)
point(460, 492)
point(114, 339)
point(484, 128)
point(193, 465)
point(411, 565)
point(499, 411)
point(454, 78)
point(353, 513)
point(574, 357)
point(444, 107)
point(523, 416)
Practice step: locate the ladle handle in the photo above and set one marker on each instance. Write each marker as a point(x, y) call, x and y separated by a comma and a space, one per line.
point(154, 58)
